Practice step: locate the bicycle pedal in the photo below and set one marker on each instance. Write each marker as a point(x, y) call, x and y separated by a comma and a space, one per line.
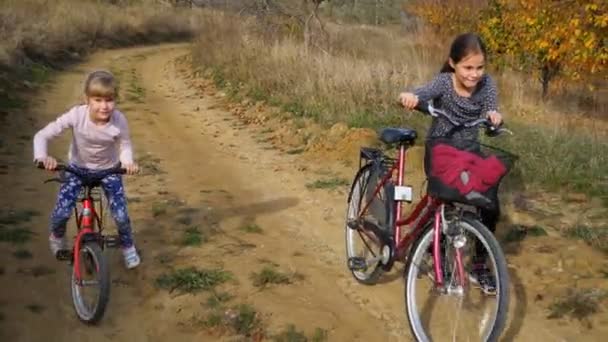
point(357, 264)
point(64, 255)
point(111, 241)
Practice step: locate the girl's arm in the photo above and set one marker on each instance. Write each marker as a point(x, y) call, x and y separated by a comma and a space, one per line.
point(489, 106)
point(435, 89)
point(124, 145)
point(52, 130)
point(490, 100)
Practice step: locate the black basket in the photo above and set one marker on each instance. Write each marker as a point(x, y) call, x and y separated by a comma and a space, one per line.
point(465, 171)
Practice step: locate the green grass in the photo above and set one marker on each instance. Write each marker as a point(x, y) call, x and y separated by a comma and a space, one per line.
point(246, 320)
point(35, 308)
point(252, 228)
point(270, 275)
point(16, 236)
point(577, 303)
point(242, 319)
point(135, 92)
point(297, 150)
point(164, 258)
point(329, 183)
point(319, 335)
point(13, 217)
point(292, 334)
point(518, 233)
point(191, 279)
point(159, 209)
point(22, 254)
point(10, 102)
point(193, 237)
point(217, 300)
point(593, 236)
point(553, 159)
point(213, 319)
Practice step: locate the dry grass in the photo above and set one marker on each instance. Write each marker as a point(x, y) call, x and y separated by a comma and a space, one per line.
point(358, 75)
point(42, 34)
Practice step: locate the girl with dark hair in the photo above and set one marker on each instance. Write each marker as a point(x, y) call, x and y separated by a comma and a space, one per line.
point(463, 90)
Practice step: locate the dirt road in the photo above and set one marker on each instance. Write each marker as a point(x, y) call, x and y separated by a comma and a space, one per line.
point(207, 172)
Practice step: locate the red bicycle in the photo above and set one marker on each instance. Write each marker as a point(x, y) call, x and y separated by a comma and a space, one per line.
point(90, 270)
point(442, 241)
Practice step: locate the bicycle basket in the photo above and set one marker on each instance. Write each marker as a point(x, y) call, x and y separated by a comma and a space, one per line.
point(465, 171)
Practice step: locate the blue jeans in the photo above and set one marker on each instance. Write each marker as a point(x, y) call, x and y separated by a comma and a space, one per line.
point(114, 192)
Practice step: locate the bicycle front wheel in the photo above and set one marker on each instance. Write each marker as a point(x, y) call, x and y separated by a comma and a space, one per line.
point(462, 309)
point(90, 295)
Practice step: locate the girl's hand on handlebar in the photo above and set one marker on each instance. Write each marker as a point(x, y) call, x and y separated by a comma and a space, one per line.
point(495, 118)
point(408, 100)
point(131, 168)
point(50, 163)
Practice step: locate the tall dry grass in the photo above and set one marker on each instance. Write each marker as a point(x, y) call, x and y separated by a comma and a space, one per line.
point(41, 34)
point(358, 76)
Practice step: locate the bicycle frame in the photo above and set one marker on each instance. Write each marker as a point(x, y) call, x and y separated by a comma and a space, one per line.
point(417, 220)
point(85, 222)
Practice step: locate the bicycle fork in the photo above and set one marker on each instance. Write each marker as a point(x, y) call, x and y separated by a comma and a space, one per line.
point(87, 228)
point(440, 228)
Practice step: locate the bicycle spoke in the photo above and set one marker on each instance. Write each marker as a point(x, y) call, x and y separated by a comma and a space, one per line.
point(457, 311)
point(365, 243)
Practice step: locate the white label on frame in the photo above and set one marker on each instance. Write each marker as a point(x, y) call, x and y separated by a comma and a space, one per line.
point(403, 193)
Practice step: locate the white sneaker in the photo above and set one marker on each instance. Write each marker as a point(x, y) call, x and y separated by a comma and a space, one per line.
point(57, 243)
point(132, 259)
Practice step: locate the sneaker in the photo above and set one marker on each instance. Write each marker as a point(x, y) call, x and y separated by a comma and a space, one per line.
point(483, 277)
point(57, 243)
point(132, 259)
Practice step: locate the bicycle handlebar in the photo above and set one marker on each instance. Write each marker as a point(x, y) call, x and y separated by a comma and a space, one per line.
point(68, 168)
point(491, 130)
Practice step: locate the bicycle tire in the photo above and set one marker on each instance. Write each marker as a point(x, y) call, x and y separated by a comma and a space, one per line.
point(359, 186)
point(494, 252)
point(103, 278)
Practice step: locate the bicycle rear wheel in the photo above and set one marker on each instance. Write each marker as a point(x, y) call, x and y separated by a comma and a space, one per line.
point(362, 246)
point(459, 311)
point(91, 295)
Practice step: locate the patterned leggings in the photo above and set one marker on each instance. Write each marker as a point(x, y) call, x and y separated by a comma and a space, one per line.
point(114, 192)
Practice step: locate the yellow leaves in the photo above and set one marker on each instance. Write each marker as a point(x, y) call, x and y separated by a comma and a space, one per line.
point(590, 42)
point(530, 33)
point(591, 7)
point(601, 20)
point(575, 22)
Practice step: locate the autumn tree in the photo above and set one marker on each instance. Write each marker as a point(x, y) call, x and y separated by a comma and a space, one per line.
point(566, 37)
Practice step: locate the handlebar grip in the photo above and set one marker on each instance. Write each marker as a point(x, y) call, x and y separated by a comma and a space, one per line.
point(423, 106)
point(59, 167)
